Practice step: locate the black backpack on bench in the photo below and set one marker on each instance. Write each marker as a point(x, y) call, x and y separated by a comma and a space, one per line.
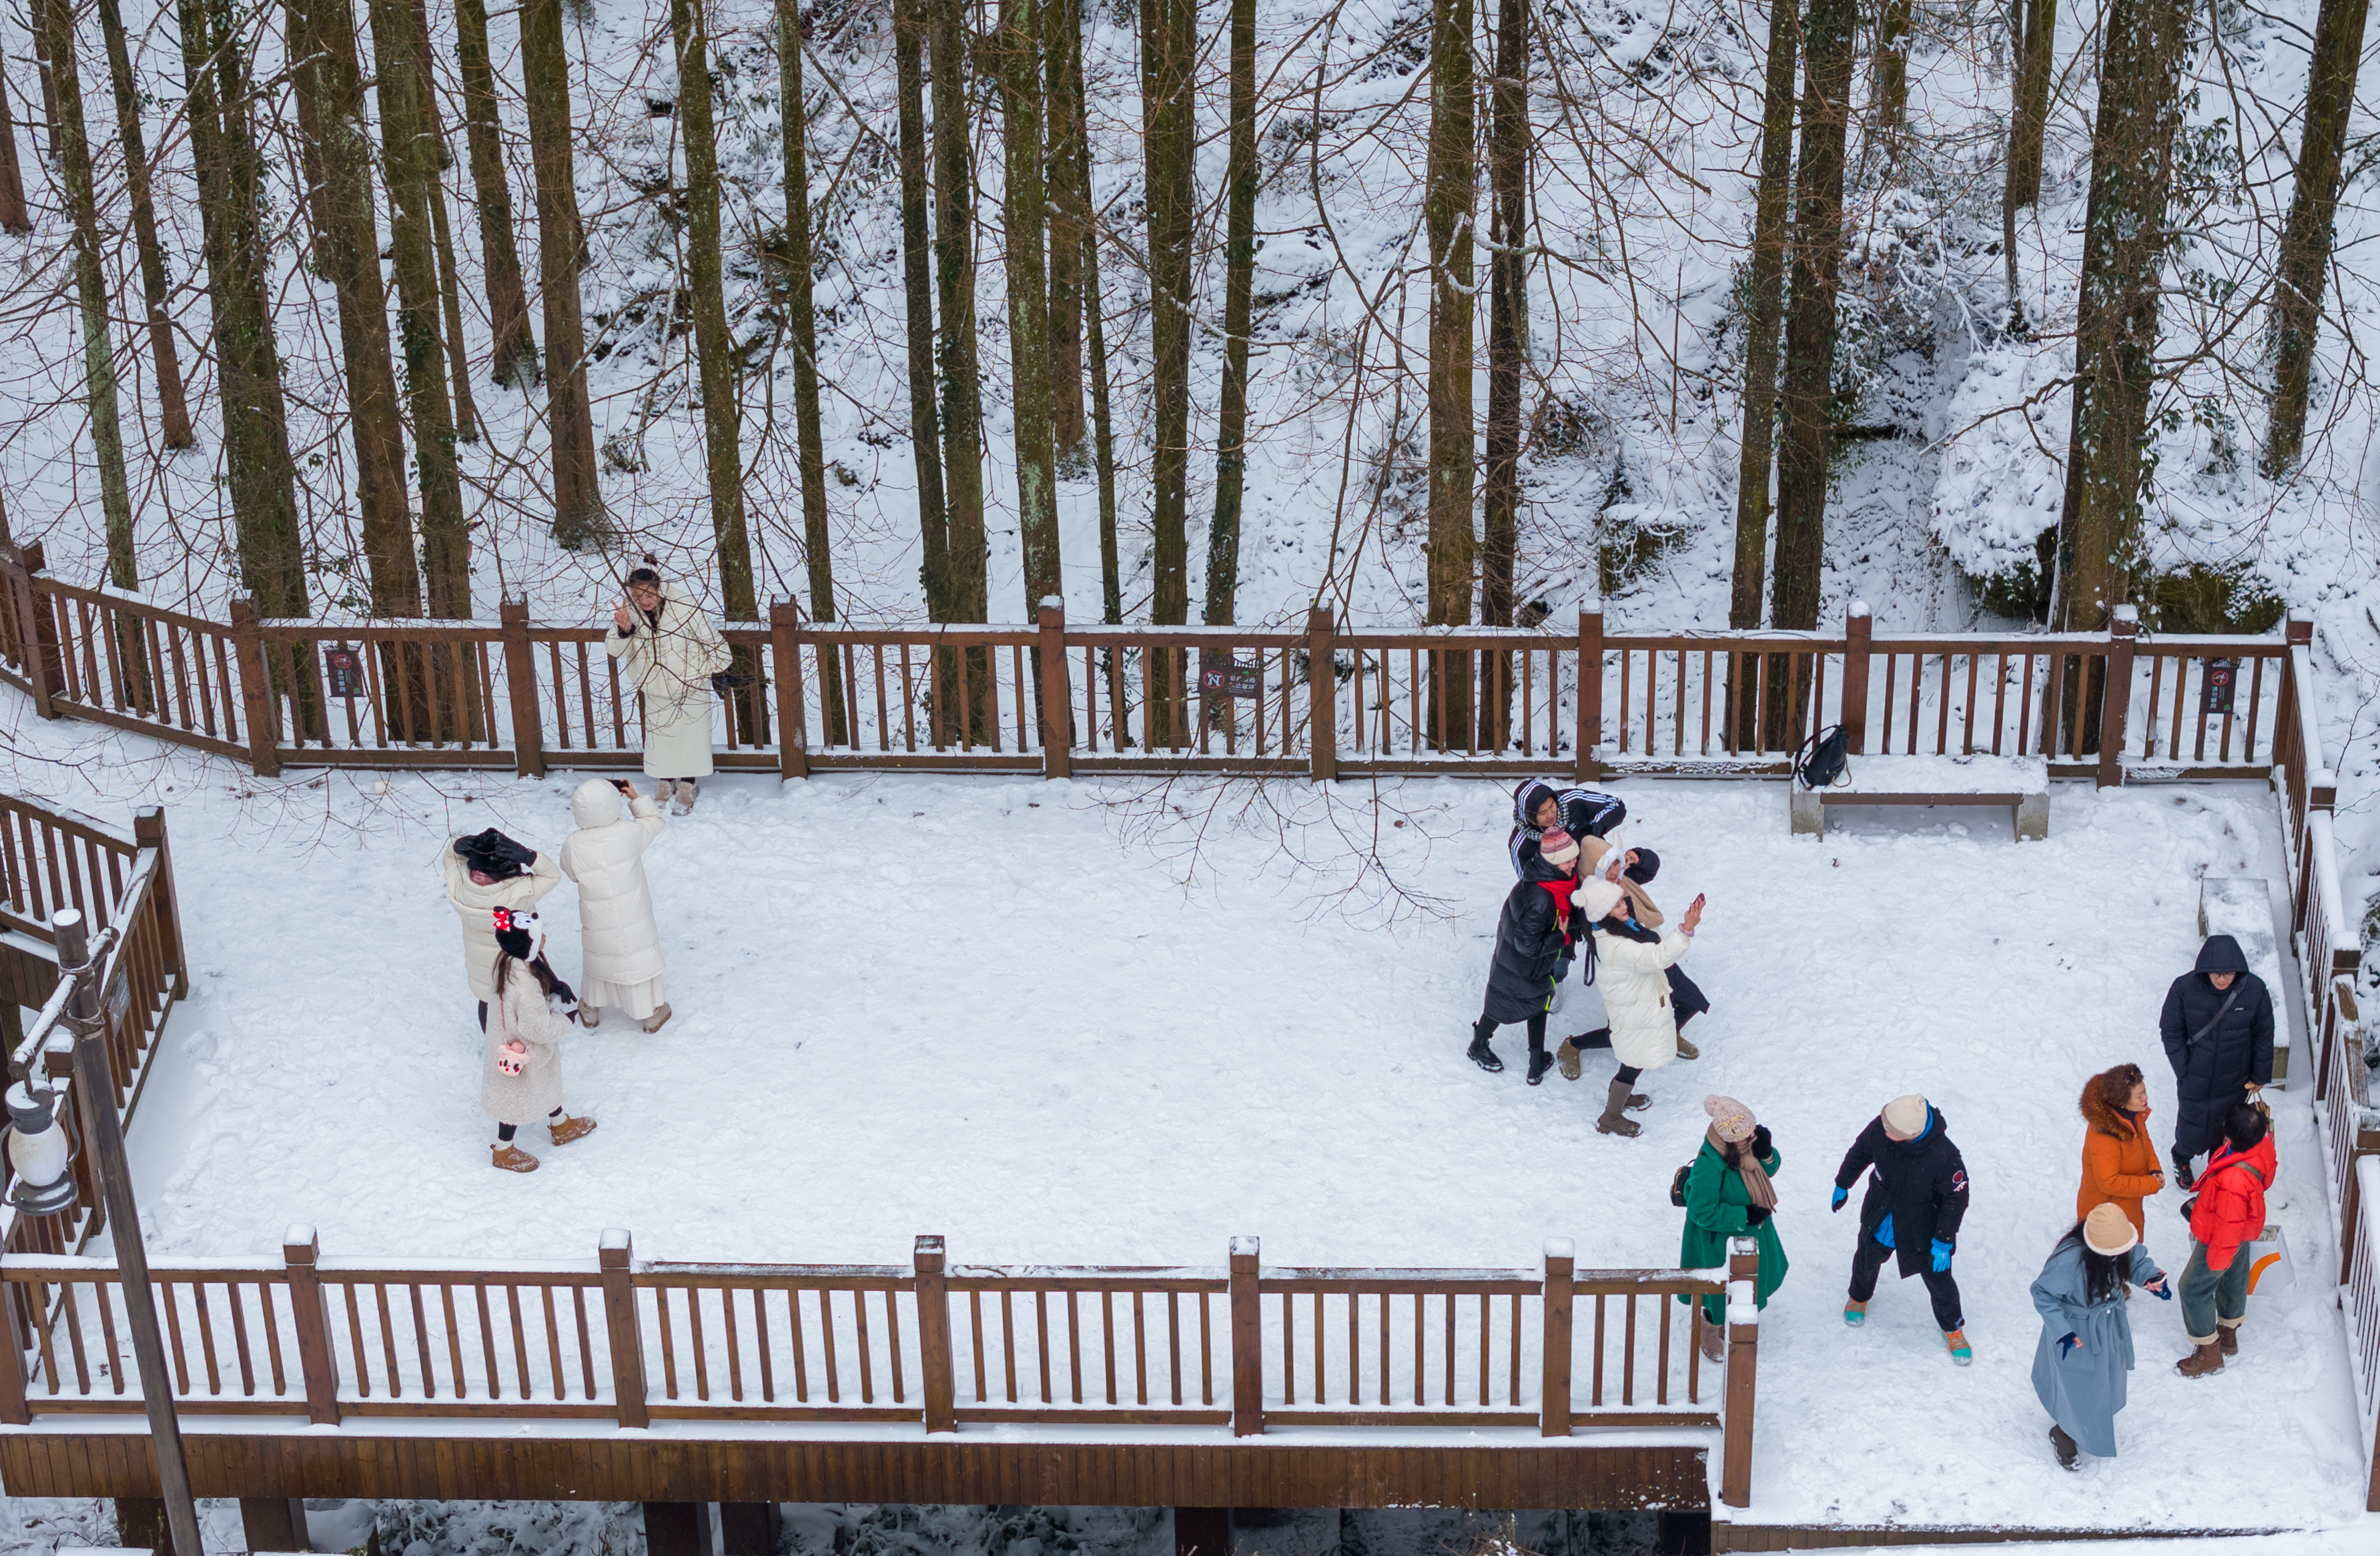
point(1825, 758)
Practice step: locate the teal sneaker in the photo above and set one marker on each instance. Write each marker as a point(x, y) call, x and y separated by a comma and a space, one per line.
point(1960, 1352)
point(1854, 1313)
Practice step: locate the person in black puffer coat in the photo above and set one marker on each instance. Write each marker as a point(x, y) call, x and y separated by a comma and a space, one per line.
point(1532, 934)
point(2218, 1027)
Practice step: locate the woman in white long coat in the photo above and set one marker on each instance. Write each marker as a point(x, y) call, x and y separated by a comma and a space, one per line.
point(619, 941)
point(520, 1061)
point(481, 877)
point(1631, 967)
point(670, 650)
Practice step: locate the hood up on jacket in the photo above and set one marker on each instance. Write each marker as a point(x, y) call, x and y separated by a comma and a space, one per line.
point(2221, 954)
point(1531, 793)
point(2103, 1117)
point(595, 803)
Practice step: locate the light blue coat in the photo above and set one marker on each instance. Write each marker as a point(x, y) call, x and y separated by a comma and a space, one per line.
point(2083, 1389)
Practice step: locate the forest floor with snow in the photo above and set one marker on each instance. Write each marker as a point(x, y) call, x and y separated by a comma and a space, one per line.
point(1095, 1023)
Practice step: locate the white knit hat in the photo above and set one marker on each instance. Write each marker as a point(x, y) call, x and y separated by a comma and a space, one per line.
point(1597, 896)
point(1905, 1116)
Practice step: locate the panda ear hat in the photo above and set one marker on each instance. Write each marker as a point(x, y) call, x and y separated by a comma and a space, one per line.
point(517, 932)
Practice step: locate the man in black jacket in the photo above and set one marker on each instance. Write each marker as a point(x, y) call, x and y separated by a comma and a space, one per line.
point(2218, 1028)
point(1916, 1198)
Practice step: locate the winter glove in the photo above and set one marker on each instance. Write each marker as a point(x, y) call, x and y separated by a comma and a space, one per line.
point(1842, 1194)
point(2068, 1343)
point(1762, 1147)
point(2164, 1291)
point(1942, 1257)
point(1754, 1214)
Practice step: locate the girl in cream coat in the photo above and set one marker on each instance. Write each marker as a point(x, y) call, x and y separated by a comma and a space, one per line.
point(1632, 975)
point(620, 944)
point(671, 650)
point(520, 1059)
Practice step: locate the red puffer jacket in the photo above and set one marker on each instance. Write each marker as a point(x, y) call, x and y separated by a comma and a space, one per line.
point(2230, 1209)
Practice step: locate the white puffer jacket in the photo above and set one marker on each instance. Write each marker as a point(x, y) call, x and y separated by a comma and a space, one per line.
point(1636, 992)
point(618, 940)
point(476, 905)
point(672, 660)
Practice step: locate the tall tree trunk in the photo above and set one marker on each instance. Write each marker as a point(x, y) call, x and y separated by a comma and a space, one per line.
point(1239, 286)
point(349, 257)
point(1764, 314)
point(450, 288)
point(918, 278)
point(1892, 73)
point(2147, 51)
point(37, 14)
point(1170, 138)
point(2305, 246)
point(1449, 205)
point(172, 407)
point(1102, 427)
point(1025, 216)
point(1810, 341)
point(302, 75)
point(90, 287)
point(962, 410)
point(248, 367)
point(578, 520)
point(2029, 115)
point(1070, 200)
point(809, 441)
point(13, 216)
point(516, 350)
point(1509, 147)
point(409, 156)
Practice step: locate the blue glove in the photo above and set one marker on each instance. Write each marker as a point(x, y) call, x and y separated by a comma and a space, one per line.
point(2068, 1343)
point(1842, 1194)
point(1942, 1257)
point(2164, 1288)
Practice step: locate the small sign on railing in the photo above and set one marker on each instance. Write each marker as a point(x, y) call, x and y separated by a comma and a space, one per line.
point(1221, 675)
point(2221, 684)
point(343, 670)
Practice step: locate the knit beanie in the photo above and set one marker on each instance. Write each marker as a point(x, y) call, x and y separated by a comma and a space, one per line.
point(1905, 1116)
point(1597, 896)
point(1556, 846)
point(516, 933)
point(1732, 1121)
point(1643, 866)
point(2107, 1230)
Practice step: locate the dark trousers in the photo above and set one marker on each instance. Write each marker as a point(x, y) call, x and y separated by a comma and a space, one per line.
point(1484, 1027)
point(483, 1015)
point(505, 1131)
point(1942, 1288)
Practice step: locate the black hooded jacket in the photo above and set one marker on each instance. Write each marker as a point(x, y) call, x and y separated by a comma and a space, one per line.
point(1921, 1183)
point(1584, 813)
point(1529, 945)
point(2213, 1069)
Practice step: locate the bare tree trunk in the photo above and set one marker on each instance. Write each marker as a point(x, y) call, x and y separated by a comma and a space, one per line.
point(515, 353)
point(409, 157)
point(918, 277)
point(2305, 246)
point(38, 15)
point(2147, 51)
point(962, 410)
point(1170, 136)
point(1892, 73)
point(2029, 118)
point(1448, 209)
point(1070, 204)
point(90, 287)
point(1511, 146)
point(578, 518)
point(248, 367)
point(1764, 314)
point(172, 407)
point(13, 216)
point(1024, 212)
point(1102, 427)
point(450, 290)
point(347, 255)
point(1239, 284)
point(817, 544)
point(309, 121)
point(1810, 340)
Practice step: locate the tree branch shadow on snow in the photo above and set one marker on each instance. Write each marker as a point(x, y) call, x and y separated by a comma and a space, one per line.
point(1334, 838)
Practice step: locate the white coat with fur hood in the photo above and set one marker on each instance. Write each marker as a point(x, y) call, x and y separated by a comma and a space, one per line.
point(619, 942)
point(476, 905)
point(672, 657)
point(1632, 976)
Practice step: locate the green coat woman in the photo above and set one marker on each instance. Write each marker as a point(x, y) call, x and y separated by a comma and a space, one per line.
point(1720, 1201)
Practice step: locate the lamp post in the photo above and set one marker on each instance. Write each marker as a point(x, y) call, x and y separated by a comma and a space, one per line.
point(38, 1152)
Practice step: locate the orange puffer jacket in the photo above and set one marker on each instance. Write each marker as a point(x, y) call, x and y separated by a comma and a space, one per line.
point(2119, 1162)
point(2230, 1209)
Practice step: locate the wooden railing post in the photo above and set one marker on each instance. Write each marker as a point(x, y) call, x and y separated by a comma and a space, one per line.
point(1858, 633)
point(164, 898)
point(792, 724)
point(256, 697)
point(1743, 1356)
point(1553, 1390)
point(933, 1291)
point(1056, 694)
point(2116, 697)
point(21, 564)
point(613, 1256)
point(301, 1252)
point(1590, 690)
point(1247, 1339)
point(520, 677)
point(15, 1410)
point(1322, 695)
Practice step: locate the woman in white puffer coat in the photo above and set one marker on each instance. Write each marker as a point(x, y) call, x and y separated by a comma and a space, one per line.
point(1631, 967)
point(671, 650)
point(619, 942)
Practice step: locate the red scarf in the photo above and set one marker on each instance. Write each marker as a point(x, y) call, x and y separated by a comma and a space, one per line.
point(1559, 890)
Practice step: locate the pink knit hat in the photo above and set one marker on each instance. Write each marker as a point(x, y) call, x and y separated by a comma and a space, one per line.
point(1731, 1120)
point(1556, 848)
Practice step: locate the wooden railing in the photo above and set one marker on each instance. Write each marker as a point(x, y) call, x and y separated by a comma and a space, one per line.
point(949, 1347)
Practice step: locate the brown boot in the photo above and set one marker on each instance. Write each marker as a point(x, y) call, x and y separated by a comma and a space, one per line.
point(653, 1022)
point(2227, 1336)
point(512, 1158)
point(1688, 1051)
point(1714, 1341)
point(567, 1129)
point(1567, 1057)
point(2068, 1450)
point(588, 1016)
point(1615, 1120)
point(2206, 1359)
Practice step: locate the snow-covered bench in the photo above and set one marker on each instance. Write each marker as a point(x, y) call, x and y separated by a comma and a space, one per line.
point(2242, 907)
point(2020, 782)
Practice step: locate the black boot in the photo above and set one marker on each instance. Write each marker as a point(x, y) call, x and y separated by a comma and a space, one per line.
point(2065, 1445)
point(1539, 1063)
point(1480, 1053)
point(2182, 1174)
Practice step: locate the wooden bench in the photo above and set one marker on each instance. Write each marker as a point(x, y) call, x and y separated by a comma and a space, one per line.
point(2020, 782)
point(2242, 907)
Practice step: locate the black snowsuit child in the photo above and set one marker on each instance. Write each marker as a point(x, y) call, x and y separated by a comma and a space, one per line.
point(1916, 1196)
point(2219, 1041)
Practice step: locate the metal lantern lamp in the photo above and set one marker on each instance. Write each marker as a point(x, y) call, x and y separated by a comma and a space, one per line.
point(38, 1152)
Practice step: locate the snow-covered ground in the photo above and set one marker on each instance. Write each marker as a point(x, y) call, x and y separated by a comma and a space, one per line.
point(1095, 1023)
